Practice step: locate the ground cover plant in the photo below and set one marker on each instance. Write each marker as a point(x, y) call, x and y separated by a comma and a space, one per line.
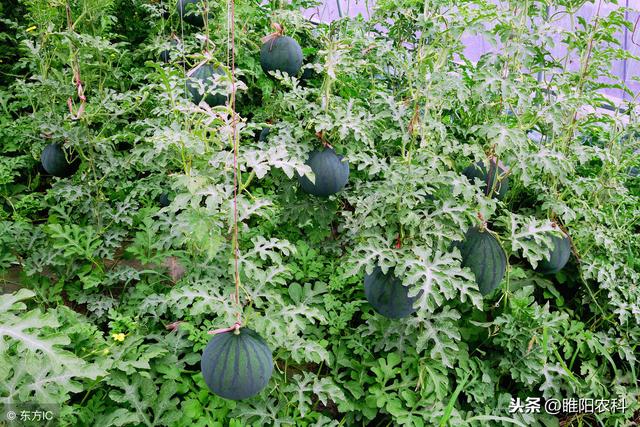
point(497, 194)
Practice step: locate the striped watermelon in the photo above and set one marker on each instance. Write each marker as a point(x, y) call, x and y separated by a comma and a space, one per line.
point(493, 186)
point(387, 295)
point(330, 170)
point(237, 365)
point(558, 257)
point(482, 253)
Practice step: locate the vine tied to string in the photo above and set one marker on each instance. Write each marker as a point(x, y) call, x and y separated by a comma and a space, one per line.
point(279, 32)
point(235, 328)
point(75, 67)
point(232, 104)
point(232, 40)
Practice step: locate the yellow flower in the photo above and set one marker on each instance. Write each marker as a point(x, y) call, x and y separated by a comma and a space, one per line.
point(118, 337)
point(31, 28)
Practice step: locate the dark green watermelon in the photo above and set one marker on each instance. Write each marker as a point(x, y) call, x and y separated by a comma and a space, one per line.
point(165, 55)
point(264, 134)
point(491, 187)
point(204, 74)
point(281, 54)
point(308, 74)
point(633, 170)
point(237, 366)
point(559, 256)
point(387, 295)
point(482, 253)
point(165, 199)
point(191, 12)
point(535, 136)
point(54, 161)
point(330, 170)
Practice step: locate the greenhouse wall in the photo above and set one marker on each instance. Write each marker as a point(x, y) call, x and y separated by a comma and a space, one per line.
point(628, 70)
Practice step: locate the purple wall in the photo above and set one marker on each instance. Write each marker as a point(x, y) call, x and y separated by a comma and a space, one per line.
point(330, 10)
point(476, 45)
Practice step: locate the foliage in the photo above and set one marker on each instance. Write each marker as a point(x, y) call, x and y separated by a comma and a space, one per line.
point(109, 296)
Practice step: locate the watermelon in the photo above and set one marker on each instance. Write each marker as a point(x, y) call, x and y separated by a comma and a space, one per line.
point(55, 161)
point(559, 256)
point(281, 53)
point(491, 186)
point(330, 170)
point(205, 74)
point(264, 134)
point(535, 136)
point(165, 199)
point(482, 253)
point(165, 55)
point(308, 74)
point(191, 11)
point(237, 365)
point(633, 170)
point(387, 295)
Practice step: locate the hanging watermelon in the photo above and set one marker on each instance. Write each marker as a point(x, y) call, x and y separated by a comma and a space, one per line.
point(237, 364)
point(190, 11)
point(55, 161)
point(482, 253)
point(330, 170)
point(387, 295)
point(165, 55)
point(281, 53)
point(559, 256)
point(264, 134)
point(204, 75)
point(493, 185)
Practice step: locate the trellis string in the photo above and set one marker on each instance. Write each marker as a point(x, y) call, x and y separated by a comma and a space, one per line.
point(75, 67)
point(232, 40)
point(231, 65)
point(231, 49)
